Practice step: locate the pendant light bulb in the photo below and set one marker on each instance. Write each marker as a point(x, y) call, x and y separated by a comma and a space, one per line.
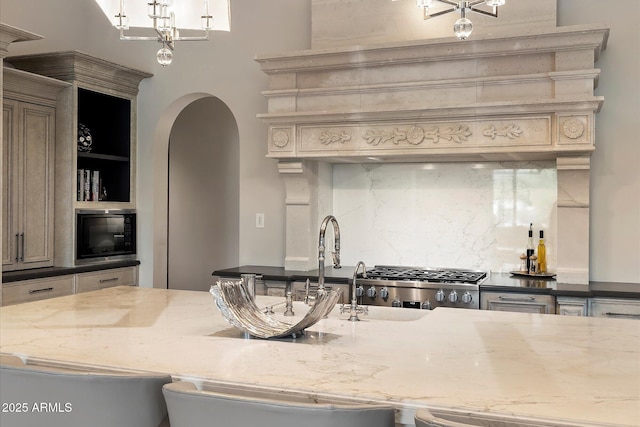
point(463, 28)
point(164, 56)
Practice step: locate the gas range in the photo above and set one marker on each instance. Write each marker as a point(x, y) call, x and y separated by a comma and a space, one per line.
point(423, 288)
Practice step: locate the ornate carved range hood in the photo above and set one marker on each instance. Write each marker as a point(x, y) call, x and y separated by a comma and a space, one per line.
point(516, 97)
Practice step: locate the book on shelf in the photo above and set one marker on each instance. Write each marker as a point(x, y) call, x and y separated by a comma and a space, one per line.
point(95, 186)
point(80, 190)
point(87, 185)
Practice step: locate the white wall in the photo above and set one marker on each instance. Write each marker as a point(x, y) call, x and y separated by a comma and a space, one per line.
point(615, 164)
point(225, 68)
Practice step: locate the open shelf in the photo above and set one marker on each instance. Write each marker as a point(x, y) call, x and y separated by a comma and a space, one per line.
point(108, 119)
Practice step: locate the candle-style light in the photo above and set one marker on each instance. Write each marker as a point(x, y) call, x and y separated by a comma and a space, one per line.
point(164, 17)
point(463, 26)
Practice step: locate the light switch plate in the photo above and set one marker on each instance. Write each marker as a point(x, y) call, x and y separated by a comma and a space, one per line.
point(259, 220)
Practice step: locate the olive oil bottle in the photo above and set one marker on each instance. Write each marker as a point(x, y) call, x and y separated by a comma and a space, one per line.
point(542, 254)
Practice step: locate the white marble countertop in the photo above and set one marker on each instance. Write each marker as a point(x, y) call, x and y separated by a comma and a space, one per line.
point(549, 370)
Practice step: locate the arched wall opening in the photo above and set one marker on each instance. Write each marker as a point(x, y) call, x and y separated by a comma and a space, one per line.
point(196, 192)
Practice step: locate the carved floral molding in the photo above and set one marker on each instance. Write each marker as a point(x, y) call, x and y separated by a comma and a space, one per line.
point(328, 137)
point(416, 135)
point(346, 139)
point(309, 140)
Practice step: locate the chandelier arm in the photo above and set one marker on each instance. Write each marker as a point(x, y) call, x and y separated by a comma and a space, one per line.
point(191, 39)
point(452, 3)
point(428, 15)
point(484, 12)
point(123, 36)
point(475, 2)
point(138, 38)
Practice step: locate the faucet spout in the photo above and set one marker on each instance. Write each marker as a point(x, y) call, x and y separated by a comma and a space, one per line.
point(321, 248)
point(354, 309)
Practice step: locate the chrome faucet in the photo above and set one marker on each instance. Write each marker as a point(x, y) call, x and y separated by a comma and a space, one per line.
point(336, 248)
point(354, 309)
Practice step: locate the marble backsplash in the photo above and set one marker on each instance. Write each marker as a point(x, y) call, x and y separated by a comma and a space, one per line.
point(462, 215)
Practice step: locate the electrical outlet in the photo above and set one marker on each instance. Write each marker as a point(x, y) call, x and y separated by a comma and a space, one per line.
point(259, 220)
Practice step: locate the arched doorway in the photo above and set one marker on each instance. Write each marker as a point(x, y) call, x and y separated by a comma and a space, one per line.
point(203, 194)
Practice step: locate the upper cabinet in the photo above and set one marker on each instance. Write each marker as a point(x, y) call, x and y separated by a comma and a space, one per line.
point(95, 137)
point(28, 144)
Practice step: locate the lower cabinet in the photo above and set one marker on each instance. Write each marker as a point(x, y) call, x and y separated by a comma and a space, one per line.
point(50, 287)
point(277, 288)
point(516, 301)
point(299, 291)
point(614, 308)
point(127, 276)
point(571, 306)
point(273, 288)
point(37, 289)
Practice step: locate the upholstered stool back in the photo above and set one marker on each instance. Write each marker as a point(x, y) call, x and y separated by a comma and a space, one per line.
point(189, 407)
point(65, 398)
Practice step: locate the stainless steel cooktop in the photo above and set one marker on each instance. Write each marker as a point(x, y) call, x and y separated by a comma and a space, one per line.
point(416, 287)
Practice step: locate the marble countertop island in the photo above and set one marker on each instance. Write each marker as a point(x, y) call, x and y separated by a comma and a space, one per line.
point(538, 370)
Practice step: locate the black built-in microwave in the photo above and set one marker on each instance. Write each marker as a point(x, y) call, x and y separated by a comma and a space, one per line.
point(105, 235)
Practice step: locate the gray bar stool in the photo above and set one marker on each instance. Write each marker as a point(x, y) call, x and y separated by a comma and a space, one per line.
point(41, 396)
point(189, 407)
point(424, 418)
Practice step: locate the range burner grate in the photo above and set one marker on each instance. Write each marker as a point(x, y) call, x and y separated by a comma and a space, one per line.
point(426, 274)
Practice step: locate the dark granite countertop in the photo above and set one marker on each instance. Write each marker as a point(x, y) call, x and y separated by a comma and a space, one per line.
point(498, 282)
point(510, 283)
point(331, 275)
point(41, 273)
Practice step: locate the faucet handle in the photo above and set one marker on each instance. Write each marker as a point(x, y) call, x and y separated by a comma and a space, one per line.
point(289, 305)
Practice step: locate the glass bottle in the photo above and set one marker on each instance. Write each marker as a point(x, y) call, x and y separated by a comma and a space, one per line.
point(530, 249)
point(542, 254)
point(523, 264)
point(533, 263)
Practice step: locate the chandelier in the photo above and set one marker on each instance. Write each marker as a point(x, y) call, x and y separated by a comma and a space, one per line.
point(167, 18)
point(463, 26)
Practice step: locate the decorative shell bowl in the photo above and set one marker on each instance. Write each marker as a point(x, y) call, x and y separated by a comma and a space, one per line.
point(239, 308)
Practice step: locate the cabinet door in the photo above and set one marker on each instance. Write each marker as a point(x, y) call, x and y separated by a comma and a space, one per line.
point(520, 302)
point(9, 126)
point(571, 306)
point(27, 201)
point(36, 178)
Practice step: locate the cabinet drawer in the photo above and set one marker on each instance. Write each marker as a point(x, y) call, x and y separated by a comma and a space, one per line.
point(37, 289)
point(614, 308)
point(522, 302)
point(106, 278)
